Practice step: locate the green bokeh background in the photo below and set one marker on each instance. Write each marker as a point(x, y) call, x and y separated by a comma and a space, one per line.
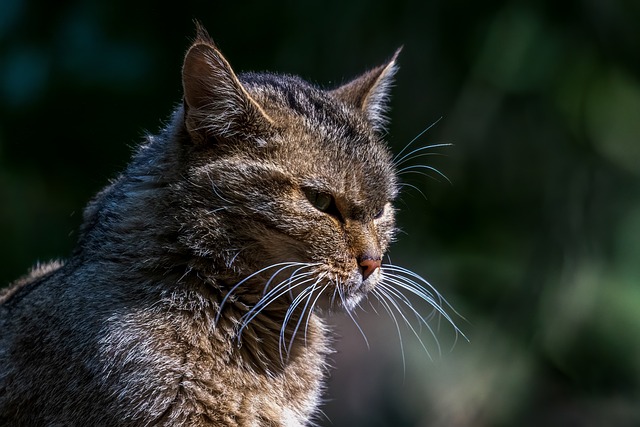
point(536, 242)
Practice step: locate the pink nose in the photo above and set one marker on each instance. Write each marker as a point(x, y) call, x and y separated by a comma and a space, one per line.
point(368, 266)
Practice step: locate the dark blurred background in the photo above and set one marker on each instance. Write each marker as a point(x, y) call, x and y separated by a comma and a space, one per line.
point(536, 242)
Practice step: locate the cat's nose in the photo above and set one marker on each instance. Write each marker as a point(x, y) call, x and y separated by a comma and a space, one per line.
point(368, 266)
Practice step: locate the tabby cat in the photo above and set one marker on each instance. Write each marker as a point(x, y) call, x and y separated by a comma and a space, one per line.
point(195, 294)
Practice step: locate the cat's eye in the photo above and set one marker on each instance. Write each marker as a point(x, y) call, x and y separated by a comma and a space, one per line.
point(322, 201)
point(379, 214)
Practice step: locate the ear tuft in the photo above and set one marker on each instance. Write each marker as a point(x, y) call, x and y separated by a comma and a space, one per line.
point(202, 35)
point(370, 92)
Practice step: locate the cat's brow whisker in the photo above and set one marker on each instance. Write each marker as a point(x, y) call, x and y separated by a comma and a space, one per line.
point(414, 154)
point(422, 173)
point(406, 184)
point(415, 139)
point(415, 169)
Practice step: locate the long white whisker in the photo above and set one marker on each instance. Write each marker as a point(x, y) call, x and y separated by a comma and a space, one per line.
point(415, 139)
point(315, 301)
point(287, 286)
point(413, 169)
point(276, 292)
point(424, 297)
point(355, 322)
point(333, 297)
point(279, 286)
point(402, 270)
point(406, 184)
point(381, 297)
point(306, 294)
point(434, 299)
point(407, 157)
point(303, 266)
point(390, 292)
point(252, 275)
point(304, 309)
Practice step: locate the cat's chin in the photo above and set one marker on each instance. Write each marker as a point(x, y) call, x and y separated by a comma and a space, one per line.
point(355, 289)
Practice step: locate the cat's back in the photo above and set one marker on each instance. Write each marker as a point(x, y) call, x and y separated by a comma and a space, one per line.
point(13, 293)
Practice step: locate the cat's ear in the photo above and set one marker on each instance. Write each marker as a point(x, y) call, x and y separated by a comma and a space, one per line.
point(370, 92)
point(216, 103)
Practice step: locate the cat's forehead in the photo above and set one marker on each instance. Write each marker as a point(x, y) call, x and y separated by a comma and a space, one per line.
point(291, 99)
point(324, 140)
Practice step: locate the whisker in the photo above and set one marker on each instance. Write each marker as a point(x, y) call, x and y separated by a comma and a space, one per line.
point(434, 299)
point(333, 297)
point(390, 292)
point(276, 292)
point(423, 296)
point(306, 294)
point(415, 139)
point(407, 157)
point(304, 265)
point(233, 259)
point(243, 281)
point(217, 210)
point(412, 169)
point(429, 294)
point(215, 191)
point(350, 314)
point(315, 301)
point(406, 184)
point(402, 270)
point(382, 300)
point(304, 309)
point(264, 302)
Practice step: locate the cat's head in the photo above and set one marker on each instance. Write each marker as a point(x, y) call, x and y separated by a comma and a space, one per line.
point(291, 182)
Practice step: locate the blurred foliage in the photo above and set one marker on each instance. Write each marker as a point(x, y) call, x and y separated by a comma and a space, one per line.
point(536, 243)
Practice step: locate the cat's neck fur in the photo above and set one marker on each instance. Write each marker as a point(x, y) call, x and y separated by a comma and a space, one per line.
point(117, 229)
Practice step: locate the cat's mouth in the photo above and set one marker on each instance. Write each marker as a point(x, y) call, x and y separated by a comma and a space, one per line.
point(329, 288)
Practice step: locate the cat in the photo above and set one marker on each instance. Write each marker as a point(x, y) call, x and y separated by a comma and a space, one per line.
point(197, 290)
